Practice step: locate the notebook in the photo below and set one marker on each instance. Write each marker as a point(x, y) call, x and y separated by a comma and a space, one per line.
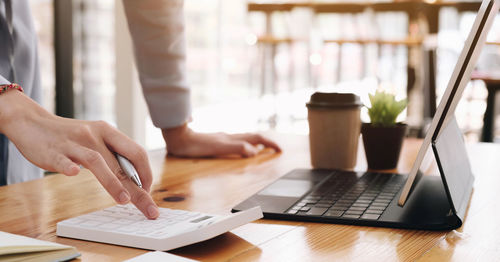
point(20, 248)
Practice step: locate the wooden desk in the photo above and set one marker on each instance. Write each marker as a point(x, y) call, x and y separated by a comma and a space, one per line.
point(216, 185)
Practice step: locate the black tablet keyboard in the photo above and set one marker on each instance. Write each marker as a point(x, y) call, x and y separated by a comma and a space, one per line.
point(344, 195)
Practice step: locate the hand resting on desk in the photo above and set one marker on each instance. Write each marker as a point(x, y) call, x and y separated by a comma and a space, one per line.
point(61, 144)
point(184, 142)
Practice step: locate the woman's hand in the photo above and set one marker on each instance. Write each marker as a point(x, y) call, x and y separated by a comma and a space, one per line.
point(182, 141)
point(61, 145)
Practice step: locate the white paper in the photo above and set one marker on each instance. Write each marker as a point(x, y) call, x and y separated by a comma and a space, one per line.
point(159, 256)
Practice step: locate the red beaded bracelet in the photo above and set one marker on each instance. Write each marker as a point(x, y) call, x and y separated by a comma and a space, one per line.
point(5, 88)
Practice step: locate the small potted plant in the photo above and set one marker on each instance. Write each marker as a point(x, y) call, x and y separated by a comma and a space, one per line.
point(383, 137)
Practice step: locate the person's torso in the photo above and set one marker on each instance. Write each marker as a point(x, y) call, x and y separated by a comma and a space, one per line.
point(18, 50)
point(23, 47)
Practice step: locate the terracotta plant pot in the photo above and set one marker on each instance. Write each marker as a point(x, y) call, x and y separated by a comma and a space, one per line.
point(383, 144)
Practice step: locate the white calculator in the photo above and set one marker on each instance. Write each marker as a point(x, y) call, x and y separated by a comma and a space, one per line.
point(125, 225)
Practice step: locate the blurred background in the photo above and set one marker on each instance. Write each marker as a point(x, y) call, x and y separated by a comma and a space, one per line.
point(252, 66)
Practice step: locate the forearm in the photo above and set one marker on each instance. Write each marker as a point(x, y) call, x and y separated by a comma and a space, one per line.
point(16, 107)
point(175, 136)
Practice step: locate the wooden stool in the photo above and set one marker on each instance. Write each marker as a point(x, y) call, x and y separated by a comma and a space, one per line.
point(493, 86)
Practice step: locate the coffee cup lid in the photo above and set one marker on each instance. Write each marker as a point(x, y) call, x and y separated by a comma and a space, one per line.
point(333, 100)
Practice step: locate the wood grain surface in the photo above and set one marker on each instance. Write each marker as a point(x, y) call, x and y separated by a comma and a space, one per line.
point(216, 185)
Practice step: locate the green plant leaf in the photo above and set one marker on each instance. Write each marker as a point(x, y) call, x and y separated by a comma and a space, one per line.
point(385, 109)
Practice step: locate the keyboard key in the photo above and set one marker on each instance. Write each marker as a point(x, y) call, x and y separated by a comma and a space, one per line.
point(342, 203)
point(374, 211)
point(332, 198)
point(309, 201)
point(339, 208)
point(333, 213)
point(377, 204)
point(357, 208)
point(369, 199)
point(384, 198)
point(349, 198)
point(316, 211)
point(376, 208)
point(350, 216)
point(370, 216)
point(322, 205)
point(313, 197)
point(305, 209)
point(292, 211)
point(354, 212)
point(360, 205)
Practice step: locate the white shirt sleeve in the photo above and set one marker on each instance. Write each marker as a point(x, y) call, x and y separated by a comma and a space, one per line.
point(157, 29)
point(3, 81)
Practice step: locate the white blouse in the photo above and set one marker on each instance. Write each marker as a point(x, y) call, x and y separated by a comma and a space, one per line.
point(157, 30)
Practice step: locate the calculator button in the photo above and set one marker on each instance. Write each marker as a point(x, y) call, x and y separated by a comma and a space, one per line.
point(103, 219)
point(144, 231)
point(127, 229)
point(123, 221)
point(73, 221)
point(109, 226)
point(179, 212)
point(159, 234)
point(90, 223)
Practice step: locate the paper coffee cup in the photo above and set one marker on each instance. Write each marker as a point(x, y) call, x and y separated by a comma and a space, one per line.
point(334, 129)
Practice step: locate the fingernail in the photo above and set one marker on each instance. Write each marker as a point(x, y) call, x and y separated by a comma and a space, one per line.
point(124, 197)
point(153, 211)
